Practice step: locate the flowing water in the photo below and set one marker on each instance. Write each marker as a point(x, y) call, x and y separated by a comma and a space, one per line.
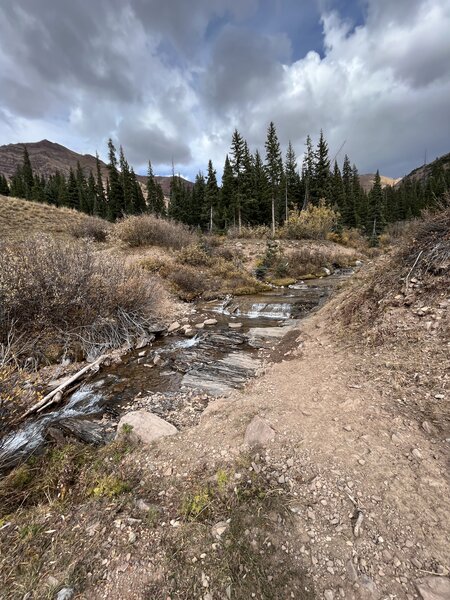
point(215, 360)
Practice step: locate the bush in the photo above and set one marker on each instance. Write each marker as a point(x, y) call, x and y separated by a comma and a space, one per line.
point(314, 223)
point(194, 256)
point(92, 228)
point(62, 292)
point(262, 232)
point(189, 283)
point(149, 230)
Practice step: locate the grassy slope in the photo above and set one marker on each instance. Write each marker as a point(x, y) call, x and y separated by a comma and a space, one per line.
point(21, 218)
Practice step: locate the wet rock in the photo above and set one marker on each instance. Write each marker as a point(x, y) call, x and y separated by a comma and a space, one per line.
point(65, 594)
point(145, 341)
point(173, 327)
point(434, 588)
point(210, 322)
point(85, 430)
point(258, 432)
point(145, 426)
point(234, 325)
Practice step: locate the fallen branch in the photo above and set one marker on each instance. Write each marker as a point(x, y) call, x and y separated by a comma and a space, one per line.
point(48, 399)
point(412, 269)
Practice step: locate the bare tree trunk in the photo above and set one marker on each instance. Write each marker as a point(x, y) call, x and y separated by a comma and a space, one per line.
point(273, 216)
point(211, 220)
point(239, 219)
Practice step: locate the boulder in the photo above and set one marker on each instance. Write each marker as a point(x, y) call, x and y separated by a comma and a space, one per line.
point(210, 322)
point(258, 432)
point(145, 426)
point(173, 327)
point(65, 594)
point(234, 325)
point(434, 588)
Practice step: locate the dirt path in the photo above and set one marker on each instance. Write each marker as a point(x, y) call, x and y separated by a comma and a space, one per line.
point(345, 453)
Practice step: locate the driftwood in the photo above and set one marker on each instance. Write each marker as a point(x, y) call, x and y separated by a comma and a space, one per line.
point(56, 395)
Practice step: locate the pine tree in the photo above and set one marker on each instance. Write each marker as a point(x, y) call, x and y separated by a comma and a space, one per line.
point(360, 200)
point(375, 216)
point(155, 195)
point(4, 187)
point(308, 171)
point(138, 200)
point(338, 192)
point(237, 164)
point(211, 198)
point(292, 181)
point(227, 195)
point(17, 188)
point(83, 201)
point(116, 203)
point(196, 213)
point(348, 209)
point(261, 191)
point(100, 208)
point(127, 184)
point(27, 174)
point(73, 197)
point(322, 176)
point(91, 194)
point(274, 168)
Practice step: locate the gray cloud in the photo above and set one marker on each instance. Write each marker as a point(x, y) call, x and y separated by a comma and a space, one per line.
point(174, 78)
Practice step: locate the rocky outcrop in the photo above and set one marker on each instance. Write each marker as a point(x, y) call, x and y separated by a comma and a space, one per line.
point(258, 432)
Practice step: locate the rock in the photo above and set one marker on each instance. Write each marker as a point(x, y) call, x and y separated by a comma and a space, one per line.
point(434, 588)
point(210, 322)
point(426, 426)
point(417, 454)
point(328, 595)
point(173, 327)
point(145, 426)
point(352, 573)
point(200, 325)
point(234, 325)
point(219, 529)
point(65, 594)
point(326, 271)
point(258, 432)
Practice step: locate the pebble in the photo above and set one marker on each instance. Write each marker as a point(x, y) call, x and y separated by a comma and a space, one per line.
point(417, 454)
point(65, 594)
point(347, 428)
point(328, 595)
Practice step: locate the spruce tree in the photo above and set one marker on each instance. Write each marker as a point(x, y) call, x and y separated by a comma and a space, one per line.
point(274, 168)
point(261, 191)
point(337, 191)
point(155, 195)
point(83, 200)
point(73, 197)
point(127, 184)
point(237, 164)
point(100, 208)
point(17, 184)
point(116, 203)
point(27, 175)
point(375, 216)
point(308, 171)
point(292, 181)
point(4, 187)
point(322, 176)
point(91, 194)
point(138, 200)
point(348, 209)
point(211, 199)
point(227, 195)
point(196, 212)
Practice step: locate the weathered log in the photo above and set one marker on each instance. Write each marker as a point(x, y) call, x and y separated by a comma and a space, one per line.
point(48, 399)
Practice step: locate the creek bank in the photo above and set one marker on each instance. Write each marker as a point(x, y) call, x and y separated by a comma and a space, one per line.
point(178, 375)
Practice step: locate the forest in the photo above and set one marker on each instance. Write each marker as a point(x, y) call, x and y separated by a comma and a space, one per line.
point(255, 189)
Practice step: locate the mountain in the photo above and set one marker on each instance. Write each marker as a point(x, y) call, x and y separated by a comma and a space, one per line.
point(48, 157)
point(424, 171)
point(368, 179)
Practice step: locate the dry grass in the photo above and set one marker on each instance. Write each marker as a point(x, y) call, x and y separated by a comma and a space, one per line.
point(55, 293)
point(21, 218)
point(148, 230)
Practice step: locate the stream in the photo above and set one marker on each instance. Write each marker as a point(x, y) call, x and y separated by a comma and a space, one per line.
point(211, 360)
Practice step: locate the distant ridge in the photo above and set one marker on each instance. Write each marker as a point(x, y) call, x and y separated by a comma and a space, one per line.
point(48, 157)
point(368, 179)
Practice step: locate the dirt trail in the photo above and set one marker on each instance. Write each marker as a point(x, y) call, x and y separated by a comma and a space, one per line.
point(346, 452)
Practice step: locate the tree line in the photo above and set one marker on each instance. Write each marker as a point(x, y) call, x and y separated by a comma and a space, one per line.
point(254, 190)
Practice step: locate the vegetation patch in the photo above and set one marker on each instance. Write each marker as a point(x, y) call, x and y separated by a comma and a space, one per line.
point(150, 230)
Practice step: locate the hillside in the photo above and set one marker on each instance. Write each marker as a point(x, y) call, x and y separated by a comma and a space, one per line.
point(424, 171)
point(21, 218)
point(368, 179)
point(48, 157)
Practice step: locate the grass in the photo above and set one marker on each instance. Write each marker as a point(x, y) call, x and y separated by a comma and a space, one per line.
point(21, 218)
point(60, 512)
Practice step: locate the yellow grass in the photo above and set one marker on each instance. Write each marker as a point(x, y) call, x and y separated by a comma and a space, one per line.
point(21, 218)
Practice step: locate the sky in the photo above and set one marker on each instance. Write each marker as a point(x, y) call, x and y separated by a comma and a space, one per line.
point(171, 79)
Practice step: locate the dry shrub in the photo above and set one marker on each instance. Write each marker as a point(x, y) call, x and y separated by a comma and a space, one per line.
point(195, 256)
point(423, 255)
point(149, 230)
point(261, 232)
point(314, 223)
point(189, 283)
point(57, 292)
point(90, 228)
point(310, 260)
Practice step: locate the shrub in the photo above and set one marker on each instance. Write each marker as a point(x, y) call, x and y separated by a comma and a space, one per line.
point(194, 256)
point(92, 228)
point(262, 232)
point(315, 223)
point(188, 282)
point(149, 230)
point(54, 292)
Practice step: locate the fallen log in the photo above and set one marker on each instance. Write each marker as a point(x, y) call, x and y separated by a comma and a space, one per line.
point(48, 399)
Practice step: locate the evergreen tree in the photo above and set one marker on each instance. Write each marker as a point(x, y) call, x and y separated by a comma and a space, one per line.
point(322, 176)
point(116, 202)
point(17, 184)
point(211, 205)
point(155, 194)
point(196, 212)
point(100, 208)
point(227, 195)
point(292, 181)
point(27, 175)
point(237, 164)
point(127, 184)
point(375, 216)
point(360, 200)
point(338, 192)
point(73, 197)
point(83, 200)
point(4, 187)
point(274, 168)
point(138, 200)
point(91, 194)
point(348, 208)
point(261, 191)
point(308, 171)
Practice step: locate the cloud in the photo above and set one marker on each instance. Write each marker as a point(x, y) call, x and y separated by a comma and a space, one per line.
point(173, 79)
